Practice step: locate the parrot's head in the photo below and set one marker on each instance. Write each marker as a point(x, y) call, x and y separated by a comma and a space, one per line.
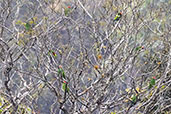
point(64, 81)
point(60, 66)
point(154, 77)
point(120, 13)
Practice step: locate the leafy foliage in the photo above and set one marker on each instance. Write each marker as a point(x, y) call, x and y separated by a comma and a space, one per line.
point(27, 26)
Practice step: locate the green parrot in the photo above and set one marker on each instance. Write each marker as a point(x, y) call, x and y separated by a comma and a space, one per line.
point(49, 52)
point(67, 10)
point(53, 53)
point(64, 86)
point(152, 82)
point(118, 16)
point(61, 71)
point(139, 48)
point(63, 74)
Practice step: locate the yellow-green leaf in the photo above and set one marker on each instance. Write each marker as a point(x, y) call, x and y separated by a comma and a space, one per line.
point(31, 22)
point(163, 86)
point(18, 22)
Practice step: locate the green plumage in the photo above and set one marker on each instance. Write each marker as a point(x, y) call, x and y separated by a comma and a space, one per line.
point(64, 87)
point(66, 11)
point(138, 48)
point(52, 52)
point(152, 83)
point(59, 71)
point(117, 17)
point(63, 74)
point(49, 53)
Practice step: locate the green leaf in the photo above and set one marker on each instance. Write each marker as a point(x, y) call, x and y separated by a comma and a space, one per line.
point(18, 22)
point(29, 110)
point(1, 111)
point(163, 86)
point(28, 26)
point(134, 98)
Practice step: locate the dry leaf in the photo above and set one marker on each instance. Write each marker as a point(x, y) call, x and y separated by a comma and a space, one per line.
point(103, 75)
point(96, 66)
point(102, 23)
point(89, 79)
point(99, 56)
point(127, 90)
point(138, 89)
point(104, 47)
point(60, 51)
point(158, 63)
